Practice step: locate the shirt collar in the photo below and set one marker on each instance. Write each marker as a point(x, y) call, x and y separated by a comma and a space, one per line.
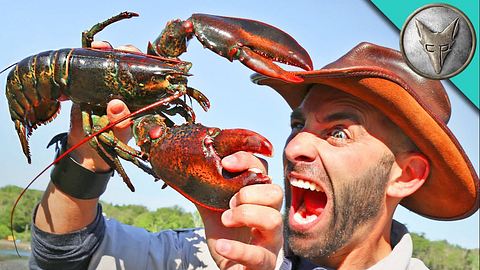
point(402, 249)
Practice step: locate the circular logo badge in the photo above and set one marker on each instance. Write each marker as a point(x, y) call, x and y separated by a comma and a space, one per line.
point(437, 41)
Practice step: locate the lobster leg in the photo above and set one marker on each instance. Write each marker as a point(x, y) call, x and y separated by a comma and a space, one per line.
point(87, 36)
point(199, 97)
point(183, 110)
point(109, 147)
point(125, 151)
point(112, 159)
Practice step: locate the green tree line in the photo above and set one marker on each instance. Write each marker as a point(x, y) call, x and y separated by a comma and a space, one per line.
point(435, 254)
point(137, 215)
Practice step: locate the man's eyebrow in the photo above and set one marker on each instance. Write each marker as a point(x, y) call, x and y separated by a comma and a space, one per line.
point(342, 116)
point(297, 114)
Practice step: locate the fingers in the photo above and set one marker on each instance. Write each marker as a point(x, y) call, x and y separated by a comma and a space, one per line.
point(101, 45)
point(266, 220)
point(76, 132)
point(258, 207)
point(250, 256)
point(128, 48)
point(250, 233)
point(116, 109)
point(104, 45)
point(270, 195)
point(85, 155)
point(241, 161)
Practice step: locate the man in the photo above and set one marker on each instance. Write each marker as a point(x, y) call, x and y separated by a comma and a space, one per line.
point(366, 136)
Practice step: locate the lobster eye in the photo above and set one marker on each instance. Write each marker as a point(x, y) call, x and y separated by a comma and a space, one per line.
point(155, 132)
point(188, 26)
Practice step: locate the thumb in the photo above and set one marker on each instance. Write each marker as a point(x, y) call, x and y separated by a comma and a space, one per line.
point(116, 109)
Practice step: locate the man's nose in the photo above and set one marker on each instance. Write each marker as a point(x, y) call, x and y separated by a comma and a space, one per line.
point(301, 148)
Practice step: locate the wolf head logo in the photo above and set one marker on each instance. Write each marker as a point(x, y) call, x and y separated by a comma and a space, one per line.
point(437, 44)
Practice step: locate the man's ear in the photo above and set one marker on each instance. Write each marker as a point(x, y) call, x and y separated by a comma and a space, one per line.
point(412, 170)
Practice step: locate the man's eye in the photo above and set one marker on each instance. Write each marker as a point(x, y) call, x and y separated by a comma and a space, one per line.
point(296, 125)
point(339, 134)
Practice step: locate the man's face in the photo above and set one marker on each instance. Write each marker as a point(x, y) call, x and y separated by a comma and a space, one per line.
point(336, 169)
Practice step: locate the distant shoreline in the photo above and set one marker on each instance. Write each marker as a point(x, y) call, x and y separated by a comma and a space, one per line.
point(5, 244)
point(11, 261)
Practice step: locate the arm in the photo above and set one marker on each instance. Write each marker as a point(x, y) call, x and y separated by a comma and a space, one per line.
point(67, 231)
point(61, 213)
point(249, 234)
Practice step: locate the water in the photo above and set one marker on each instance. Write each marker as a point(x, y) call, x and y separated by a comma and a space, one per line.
point(23, 253)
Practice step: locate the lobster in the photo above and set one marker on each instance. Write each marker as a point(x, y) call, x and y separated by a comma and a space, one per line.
point(149, 83)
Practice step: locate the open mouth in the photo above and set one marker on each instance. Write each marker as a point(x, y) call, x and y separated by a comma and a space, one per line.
point(308, 203)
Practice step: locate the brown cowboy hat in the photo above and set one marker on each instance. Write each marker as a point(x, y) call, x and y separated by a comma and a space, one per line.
point(419, 106)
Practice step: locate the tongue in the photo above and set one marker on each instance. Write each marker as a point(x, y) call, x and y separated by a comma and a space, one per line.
point(315, 201)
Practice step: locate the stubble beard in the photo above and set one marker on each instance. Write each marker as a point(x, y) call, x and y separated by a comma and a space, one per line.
point(356, 203)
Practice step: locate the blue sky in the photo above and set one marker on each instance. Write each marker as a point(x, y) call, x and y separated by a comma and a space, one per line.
point(326, 29)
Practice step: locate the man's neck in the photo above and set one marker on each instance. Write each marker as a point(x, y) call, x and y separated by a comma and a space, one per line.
point(371, 244)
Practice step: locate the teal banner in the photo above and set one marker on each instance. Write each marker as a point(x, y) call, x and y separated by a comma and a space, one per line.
point(397, 12)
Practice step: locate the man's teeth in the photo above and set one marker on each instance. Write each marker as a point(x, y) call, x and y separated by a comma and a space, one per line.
point(305, 185)
point(300, 219)
point(255, 170)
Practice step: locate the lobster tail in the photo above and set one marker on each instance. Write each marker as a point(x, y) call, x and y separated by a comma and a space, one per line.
point(45, 113)
point(31, 95)
point(23, 135)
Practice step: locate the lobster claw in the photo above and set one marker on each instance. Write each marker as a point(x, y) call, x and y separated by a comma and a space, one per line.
point(188, 158)
point(255, 44)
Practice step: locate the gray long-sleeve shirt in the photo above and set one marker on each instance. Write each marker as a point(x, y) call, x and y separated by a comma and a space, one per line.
point(108, 244)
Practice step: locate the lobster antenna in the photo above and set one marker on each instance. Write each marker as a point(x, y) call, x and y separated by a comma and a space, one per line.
point(84, 140)
point(3, 70)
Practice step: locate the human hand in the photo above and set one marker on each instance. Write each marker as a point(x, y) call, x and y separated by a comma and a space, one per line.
point(249, 234)
point(116, 109)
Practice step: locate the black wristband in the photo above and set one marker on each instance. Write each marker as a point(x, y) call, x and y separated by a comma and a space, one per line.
point(72, 178)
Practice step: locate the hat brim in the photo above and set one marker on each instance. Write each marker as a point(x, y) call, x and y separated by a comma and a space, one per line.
point(451, 190)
